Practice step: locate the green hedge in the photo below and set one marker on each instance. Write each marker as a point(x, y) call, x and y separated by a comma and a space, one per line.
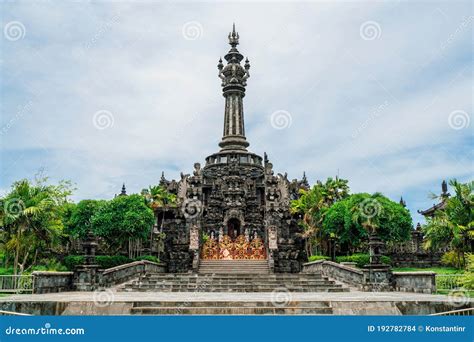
point(361, 259)
point(148, 257)
point(71, 261)
point(318, 257)
point(105, 261)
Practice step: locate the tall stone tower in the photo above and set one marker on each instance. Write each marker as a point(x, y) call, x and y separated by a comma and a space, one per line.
point(235, 207)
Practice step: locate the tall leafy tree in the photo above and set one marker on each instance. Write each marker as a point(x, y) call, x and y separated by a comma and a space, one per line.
point(123, 220)
point(352, 219)
point(31, 219)
point(313, 204)
point(453, 226)
point(79, 221)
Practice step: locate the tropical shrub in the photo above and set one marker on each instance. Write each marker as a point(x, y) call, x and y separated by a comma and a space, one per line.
point(361, 259)
point(318, 257)
point(467, 280)
point(452, 259)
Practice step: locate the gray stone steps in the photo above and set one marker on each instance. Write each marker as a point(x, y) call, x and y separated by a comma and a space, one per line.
point(282, 276)
point(189, 282)
point(226, 283)
point(232, 286)
point(152, 288)
point(234, 267)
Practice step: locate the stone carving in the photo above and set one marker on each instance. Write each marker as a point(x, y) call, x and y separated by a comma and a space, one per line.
point(272, 237)
point(194, 238)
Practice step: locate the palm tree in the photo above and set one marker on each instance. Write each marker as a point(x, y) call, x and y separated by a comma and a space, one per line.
point(30, 216)
point(454, 225)
point(158, 197)
point(313, 204)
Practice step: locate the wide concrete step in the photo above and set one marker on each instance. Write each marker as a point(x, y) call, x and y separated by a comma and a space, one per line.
point(212, 310)
point(230, 303)
point(232, 308)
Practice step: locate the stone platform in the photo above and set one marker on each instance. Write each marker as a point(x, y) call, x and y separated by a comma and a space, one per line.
point(111, 302)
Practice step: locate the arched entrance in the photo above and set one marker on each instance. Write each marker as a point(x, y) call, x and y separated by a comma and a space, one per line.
point(233, 228)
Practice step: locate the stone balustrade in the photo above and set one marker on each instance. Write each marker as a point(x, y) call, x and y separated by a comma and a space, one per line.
point(48, 282)
point(123, 273)
point(345, 274)
point(363, 279)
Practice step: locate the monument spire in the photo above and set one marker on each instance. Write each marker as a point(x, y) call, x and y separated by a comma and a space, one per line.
point(234, 80)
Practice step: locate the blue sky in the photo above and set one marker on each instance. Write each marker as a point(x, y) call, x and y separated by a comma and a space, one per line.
point(108, 92)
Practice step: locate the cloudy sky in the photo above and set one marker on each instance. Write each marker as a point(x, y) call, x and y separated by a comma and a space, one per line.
point(105, 92)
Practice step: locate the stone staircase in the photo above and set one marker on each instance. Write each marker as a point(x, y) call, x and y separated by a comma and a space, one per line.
point(234, 267)
point(232, 308)
point(252, 282)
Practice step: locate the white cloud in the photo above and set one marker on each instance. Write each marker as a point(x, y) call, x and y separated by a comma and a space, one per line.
point(393, 93)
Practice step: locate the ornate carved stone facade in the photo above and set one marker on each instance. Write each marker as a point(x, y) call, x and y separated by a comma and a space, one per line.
point(235, 198)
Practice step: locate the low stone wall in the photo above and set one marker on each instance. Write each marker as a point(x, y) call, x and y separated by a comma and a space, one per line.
point(120, 274)
point(415, 259)
point(48, 282)
point(345, 274)
point(423, 282)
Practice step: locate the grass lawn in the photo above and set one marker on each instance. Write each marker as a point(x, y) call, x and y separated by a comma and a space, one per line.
point(437, 270)
point(469, 293)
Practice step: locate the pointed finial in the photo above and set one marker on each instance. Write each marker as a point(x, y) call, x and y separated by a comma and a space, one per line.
point(444, 188)
point(124, 190)
point(233, 37)
point(402, 202)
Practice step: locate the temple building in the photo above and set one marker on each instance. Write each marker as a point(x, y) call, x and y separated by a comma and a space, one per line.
point(430, 212)
point(234, 207)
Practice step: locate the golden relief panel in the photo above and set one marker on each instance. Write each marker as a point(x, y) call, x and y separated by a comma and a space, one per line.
point(239, 249)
